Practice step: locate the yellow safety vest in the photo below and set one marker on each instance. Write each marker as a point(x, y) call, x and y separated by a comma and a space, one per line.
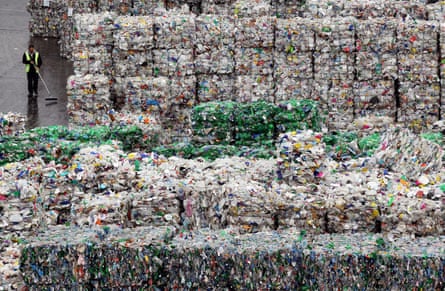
point(28, 58)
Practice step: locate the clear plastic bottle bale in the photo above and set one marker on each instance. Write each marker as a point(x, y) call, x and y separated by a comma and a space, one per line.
point(88, 100)
point(173, 62)
point(323, 9)
point(339, 66)
point(335, 35)
point(340, 104)
point(174, 30)
point(45, 20)
point(150, 208)
point(294, 35)
point(133, 63)
point(374, 98)
point(134, 32)
point(365, 10)
point(214, 30)
point(417, 37)
point(405, 10)
point(215, 87)
point(410, 216)
point(287, 9)
point(214, 60)
point(220, 7)
point(288, 88)
point(418, 67)
point(213, 121)
point(94, 29)
point(177, 124)
point(293, 64)
point(352, 213)
point(254, 88)
point(435, 11)
point(254, 32)
point(300, 157)
point(92, 60)
point(376, 49)
point(258, 8)
point(194, 6)
point(302, 212)
point(254, 61)
point(419, 104)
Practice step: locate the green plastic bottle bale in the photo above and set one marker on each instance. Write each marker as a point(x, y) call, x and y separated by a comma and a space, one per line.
point(298, 115)
point(254, 123)
point(213, 121)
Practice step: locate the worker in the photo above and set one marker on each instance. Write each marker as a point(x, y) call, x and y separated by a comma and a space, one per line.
point(33, 62)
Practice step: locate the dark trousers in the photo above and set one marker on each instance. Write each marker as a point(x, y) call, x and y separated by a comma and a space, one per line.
point(33, 82)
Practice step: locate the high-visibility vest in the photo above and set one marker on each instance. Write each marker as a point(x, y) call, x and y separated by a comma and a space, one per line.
point(28, 58)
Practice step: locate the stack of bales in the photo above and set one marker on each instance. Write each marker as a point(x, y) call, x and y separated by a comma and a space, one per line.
point(254, 40)
point(374, 93)
point(334, 62)
point(214, 57)
point(417, 60)
point(173, 62)
point(293, 70)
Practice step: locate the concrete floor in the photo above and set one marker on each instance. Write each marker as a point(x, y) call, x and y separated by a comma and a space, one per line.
point(14, 40)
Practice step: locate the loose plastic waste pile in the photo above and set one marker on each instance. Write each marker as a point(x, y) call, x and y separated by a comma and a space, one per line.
point(231, 145)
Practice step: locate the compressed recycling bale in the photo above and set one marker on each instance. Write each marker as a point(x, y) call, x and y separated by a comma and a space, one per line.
point(323, 9)
point(287, 9)
point(46, 16)
point(418, 67)
point(92, 60)
point(177, 123)
point(335, 35)
point(173, 62)
point(293, 88)
point(301, 211)
point(219, 7)
point(340, 66)
point(293, 114)
point(213, 121)
point(134, 63)
point(254, 32)
point(214, 61)
point(94, 29)
point(293, 64)
point(373, 65)
point(253, 88)
point(254, 61)
point(145, 94)
point(419, 104)
point(215, 87)
point(246, 8)
point(88, 100)
point(417, 37)
point(301, 156)
point(12, 123)
point(294, 34)
point(133, 32)
point(194, 6)
point(214, 30)
point(254, 122)
point(365, 10)
point(340, 103)
point(174, 30)
point(374, 98)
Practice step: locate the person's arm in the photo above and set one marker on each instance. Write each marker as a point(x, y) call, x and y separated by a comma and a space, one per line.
point(39, 61)
point(24, 60)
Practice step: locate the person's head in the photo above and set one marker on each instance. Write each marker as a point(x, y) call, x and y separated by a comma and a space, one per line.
point(31, 48)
